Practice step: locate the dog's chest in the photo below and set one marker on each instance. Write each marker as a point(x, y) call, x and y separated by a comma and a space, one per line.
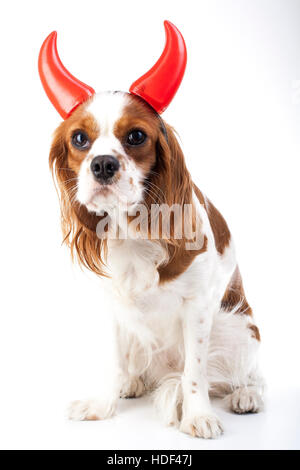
point(133, 266)
point(141, 300)
point(135, 278)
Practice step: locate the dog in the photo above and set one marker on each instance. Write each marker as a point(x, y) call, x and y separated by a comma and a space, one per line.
point(183, 327)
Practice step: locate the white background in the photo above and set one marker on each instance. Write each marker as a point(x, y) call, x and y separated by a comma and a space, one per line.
point(238, 115)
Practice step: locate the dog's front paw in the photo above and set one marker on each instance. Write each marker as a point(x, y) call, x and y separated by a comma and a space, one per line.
point(246, 400)
point(133, 388)
point(91, 410)
point(206, 426)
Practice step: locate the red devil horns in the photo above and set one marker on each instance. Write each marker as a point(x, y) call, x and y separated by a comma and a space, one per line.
point(159, 85)
point(64, 91)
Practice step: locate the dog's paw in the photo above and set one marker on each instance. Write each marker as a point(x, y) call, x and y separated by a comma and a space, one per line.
point(206, 426)
point(133, 388)
point(91, 410)
point(246, 400)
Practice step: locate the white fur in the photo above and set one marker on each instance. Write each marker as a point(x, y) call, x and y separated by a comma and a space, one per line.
point(172, 338)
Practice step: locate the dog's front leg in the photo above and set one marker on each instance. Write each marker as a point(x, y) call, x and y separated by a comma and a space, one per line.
point(104, 406)
point(198, 418)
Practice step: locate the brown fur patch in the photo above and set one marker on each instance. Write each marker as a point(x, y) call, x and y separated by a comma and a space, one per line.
point(180, 260)
point(217, 222)
point(255, 332)
point(92, 418)
point(219, 227)
point(235, 295)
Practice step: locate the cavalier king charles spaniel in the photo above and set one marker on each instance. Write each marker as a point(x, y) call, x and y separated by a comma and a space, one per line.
point(183, 327)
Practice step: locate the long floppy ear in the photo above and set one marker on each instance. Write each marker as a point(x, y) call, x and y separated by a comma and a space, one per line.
point(170, 173)
point(78, 225)
point(169, 183)
point(172, 178)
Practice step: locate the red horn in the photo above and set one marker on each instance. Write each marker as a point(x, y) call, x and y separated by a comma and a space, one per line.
point(159, 85)
point(63, 90)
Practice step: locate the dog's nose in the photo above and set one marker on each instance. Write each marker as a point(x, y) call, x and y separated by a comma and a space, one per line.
point(104, 167)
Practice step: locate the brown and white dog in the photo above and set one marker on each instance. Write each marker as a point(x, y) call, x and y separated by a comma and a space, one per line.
point(183, 327)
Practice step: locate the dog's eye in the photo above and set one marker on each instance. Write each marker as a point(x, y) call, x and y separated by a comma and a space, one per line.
point(80, 140)
point(136, 137)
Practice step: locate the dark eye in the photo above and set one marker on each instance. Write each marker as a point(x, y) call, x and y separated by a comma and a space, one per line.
point(136, 137)
point(80, 140)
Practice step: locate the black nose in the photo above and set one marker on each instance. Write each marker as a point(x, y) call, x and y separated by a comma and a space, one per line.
point(104, 167)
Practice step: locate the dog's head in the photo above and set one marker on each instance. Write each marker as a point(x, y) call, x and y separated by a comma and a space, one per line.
point(108, 151)
point(113, 149)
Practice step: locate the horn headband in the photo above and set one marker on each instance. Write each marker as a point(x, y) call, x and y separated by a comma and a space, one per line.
point(157, 86)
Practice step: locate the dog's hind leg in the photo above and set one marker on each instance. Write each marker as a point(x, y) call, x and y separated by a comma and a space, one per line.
point(232, 365)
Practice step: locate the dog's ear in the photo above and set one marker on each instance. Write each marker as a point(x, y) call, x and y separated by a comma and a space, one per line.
point(172, 178)
point(78, 224)
point(88, 219)
point(170, 173)
point(66, 181)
